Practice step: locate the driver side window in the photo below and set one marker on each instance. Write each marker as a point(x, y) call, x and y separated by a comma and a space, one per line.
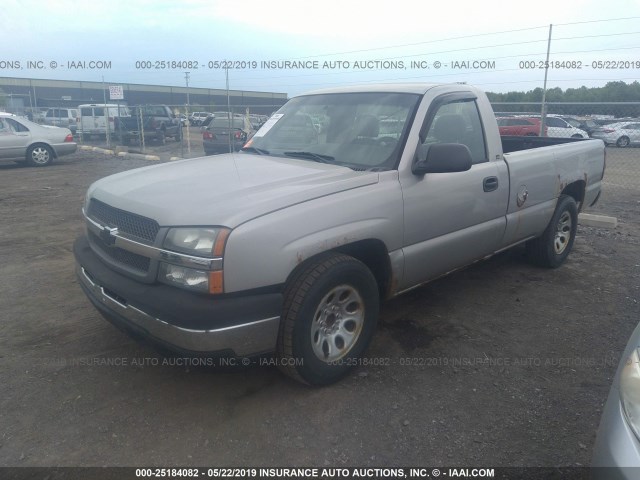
point(459, 122)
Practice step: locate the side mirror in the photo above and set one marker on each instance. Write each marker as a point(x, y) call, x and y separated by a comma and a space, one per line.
point(442, 158)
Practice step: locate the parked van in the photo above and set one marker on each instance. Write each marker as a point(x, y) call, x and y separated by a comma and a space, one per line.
point(93, 117)
point(62, 117)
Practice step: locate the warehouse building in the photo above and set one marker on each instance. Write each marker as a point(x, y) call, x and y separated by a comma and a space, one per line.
point(23, 95)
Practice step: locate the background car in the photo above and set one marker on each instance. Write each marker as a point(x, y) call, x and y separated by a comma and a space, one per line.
point(100, 119)
point(558, 127)
point(617, 444)
point(588, 125)
point(24, 141)
point(206, 121)
point(519, 126)
point(621, 134)
point(197, 118)
point(62, 117)
point(223, 135)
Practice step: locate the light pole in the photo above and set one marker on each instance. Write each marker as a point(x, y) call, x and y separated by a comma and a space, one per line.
point(186, 78)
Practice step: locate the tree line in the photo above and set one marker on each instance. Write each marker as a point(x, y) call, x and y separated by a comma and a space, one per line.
point(618, 91)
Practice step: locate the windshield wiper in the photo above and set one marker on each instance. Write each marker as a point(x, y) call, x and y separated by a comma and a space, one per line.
point(311, 156)
point(259, 151)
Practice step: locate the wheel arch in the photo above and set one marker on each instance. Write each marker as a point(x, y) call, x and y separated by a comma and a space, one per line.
point(576, 190)
point(371, 252)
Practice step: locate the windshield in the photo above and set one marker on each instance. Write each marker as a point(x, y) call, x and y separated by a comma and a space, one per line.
point(357, 130)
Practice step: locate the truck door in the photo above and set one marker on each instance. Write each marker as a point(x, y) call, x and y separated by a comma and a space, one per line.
point(452, 219)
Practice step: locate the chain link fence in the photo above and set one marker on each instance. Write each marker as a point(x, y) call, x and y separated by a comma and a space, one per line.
point(168, 131)
point(178, 132)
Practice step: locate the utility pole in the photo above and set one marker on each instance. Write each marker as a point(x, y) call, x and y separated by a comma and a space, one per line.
point(106, 113)
point(186, 78)
point(229, 110)
point(543, 110)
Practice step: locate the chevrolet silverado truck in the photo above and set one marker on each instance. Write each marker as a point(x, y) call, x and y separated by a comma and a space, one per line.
point(287, 247)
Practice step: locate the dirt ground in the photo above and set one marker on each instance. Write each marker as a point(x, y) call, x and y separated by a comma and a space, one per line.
point(502, 364)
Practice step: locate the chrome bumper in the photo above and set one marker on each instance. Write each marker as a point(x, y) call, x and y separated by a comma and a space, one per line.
point(244, 340)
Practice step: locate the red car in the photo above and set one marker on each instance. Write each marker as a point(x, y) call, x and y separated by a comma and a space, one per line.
point(520, 126)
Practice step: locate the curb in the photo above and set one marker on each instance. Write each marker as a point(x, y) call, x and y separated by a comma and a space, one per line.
point(141, 156)
point(600, 221)
point(97, 149)
point(122, 154)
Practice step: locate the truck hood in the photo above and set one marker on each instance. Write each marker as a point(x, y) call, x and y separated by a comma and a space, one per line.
point(225, 190)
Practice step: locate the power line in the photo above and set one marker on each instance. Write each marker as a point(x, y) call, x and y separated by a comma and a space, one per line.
point(464, 37)
point(596, 21)
point(421, 43)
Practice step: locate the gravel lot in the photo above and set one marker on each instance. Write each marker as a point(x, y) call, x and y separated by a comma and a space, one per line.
point(502, 364)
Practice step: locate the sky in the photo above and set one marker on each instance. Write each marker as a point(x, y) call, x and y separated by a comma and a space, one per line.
point(295, 46)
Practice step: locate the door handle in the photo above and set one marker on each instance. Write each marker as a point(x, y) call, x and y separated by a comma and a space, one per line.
point(489, 184)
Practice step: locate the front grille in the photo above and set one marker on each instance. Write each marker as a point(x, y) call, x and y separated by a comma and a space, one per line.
point(124, 257)
point(142, 228)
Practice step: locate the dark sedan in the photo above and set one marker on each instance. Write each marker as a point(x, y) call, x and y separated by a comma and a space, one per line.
point(224, 135)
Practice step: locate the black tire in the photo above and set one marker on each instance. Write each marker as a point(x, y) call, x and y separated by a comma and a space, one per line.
point(623, 142)
point(553, 246)
point(39, 155)
point(316, 301)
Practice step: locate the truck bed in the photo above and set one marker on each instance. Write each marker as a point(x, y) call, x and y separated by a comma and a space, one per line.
point(541, 174)
point(517, 143)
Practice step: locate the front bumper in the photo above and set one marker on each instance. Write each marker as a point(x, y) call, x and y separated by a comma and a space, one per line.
point(189, 323)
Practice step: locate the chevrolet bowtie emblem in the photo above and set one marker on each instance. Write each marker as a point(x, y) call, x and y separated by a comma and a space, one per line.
point(108, 235)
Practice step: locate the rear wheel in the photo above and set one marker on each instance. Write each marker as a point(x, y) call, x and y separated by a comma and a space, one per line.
point(623, 142)
point(39, 155)
point(330, 311)
point(553, 246)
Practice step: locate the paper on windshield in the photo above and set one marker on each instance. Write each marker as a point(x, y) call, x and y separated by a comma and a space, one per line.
point(268, 125)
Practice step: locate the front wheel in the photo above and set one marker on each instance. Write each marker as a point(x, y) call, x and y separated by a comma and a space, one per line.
point(330, 312)
point(552, 248)
point(39, 156)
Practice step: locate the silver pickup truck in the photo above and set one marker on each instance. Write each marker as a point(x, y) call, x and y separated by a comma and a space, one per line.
point(344, 197)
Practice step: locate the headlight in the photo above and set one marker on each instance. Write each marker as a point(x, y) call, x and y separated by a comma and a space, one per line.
point(198, 242)
point(630, 391)
point(201, 242)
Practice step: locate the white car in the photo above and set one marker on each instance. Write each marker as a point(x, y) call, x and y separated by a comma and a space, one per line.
point(621, 134)
point(24, 141)
point(557, 127)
